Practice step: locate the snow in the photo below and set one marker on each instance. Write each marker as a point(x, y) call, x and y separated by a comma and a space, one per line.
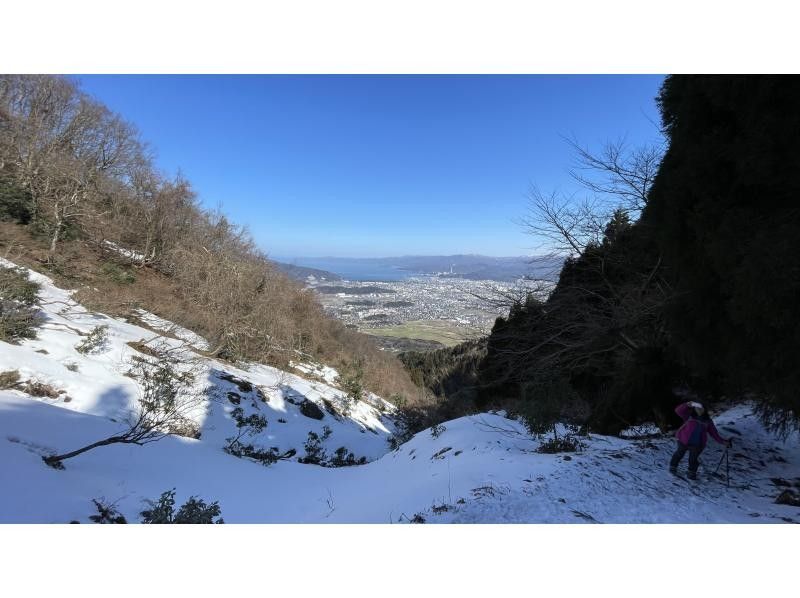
point(482, 468)
point(172, 329)
point(314, 369)
point(129, 253)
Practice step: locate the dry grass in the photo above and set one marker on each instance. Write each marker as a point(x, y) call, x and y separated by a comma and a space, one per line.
point(9, 379)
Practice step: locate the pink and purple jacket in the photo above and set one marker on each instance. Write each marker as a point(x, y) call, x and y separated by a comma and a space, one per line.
point(688, 432)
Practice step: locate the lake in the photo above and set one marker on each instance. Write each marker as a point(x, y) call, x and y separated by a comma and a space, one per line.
point(356, 269)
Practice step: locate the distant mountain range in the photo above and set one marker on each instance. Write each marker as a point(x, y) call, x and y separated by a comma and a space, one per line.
point(473, 267)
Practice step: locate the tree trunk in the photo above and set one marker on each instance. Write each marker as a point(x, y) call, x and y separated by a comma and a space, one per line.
point(56, 232)
point(55, 460)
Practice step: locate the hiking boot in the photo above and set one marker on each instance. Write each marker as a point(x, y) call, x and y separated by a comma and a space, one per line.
point(692, 475)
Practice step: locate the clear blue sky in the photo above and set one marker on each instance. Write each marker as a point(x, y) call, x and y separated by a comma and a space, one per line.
point(372, 166)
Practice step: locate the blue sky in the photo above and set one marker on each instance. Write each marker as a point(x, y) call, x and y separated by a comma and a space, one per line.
point(370, 166)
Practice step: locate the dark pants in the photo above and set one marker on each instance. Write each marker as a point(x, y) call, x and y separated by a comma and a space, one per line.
point(694, 454)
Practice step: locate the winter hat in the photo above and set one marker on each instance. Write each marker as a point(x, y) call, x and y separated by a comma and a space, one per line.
point(698, 407)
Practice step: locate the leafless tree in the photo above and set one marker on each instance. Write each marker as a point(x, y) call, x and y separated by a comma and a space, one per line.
point(609, 301)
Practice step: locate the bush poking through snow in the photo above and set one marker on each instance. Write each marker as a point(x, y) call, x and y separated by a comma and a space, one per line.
point(564, 444)
point(9, 379)
point(344, 458)
point(315, 453)
point(250, 426)
point(95, 341)
point(18, 316)
point(106, 513)
point(437, 430)
point(351, 381)
point(165, 401)
point(194, 510)
point(35, 388)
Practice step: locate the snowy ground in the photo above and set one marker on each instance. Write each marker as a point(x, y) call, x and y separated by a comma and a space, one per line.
point(479, 469)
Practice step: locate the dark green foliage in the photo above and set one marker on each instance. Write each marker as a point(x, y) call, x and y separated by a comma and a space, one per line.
point(118, 274)
point(351, 379)
point(594, 350)
point(547, 401)
point(700, 292)
point(18, 316)
point(563, 444)
point(315, 452)
point(344, 458)
point(250, 426)
point(95, 341)
point(724, 210)
point(106, 513)
point(450, 372)
point(193, 510)
point(16, 203)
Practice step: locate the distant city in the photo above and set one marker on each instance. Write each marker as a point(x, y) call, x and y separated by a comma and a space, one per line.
point(420, 302)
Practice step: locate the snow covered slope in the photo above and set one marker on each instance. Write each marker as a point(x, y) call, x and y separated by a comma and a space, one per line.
point(482, 468)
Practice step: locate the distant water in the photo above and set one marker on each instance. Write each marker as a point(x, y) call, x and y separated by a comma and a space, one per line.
point(354, 269)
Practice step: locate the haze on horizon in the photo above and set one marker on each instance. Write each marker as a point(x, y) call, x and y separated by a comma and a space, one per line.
point(379, 165)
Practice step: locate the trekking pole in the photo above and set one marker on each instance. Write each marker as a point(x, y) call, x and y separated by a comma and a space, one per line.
point(727, 470)
point(720, 460)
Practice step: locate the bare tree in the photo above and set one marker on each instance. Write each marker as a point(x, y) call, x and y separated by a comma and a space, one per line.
point(608, 299)
point(626, 174)
point(617, 179)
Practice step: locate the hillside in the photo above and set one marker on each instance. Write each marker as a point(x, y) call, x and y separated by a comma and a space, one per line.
point(303, 273)
point(82, 198)
point(482, 468)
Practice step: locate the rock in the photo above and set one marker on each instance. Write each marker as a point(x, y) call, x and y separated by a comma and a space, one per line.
point(242, 385)
point(788, 497)
point(311, 409)
point(567, 458)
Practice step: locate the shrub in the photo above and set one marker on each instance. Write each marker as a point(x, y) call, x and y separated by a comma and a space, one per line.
point(94, 341)
point(35, 388)
point(249, 426)
point(351, 380)
point(565, 444)
point(106, 513)
point(193, 510)
point(315, 453)
point(16, 203)
point(343, 458)
point(9, 379)
point(165, 401)
point(118, 274)
point(18, 316)
point(437, 430)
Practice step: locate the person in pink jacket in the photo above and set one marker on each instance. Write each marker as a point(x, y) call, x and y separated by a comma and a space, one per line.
point(693, 435)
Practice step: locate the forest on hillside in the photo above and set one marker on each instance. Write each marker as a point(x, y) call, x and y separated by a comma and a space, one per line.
point(681, 275)
point(82, 199)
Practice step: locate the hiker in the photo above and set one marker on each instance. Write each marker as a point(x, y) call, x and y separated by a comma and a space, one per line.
point(693, 435)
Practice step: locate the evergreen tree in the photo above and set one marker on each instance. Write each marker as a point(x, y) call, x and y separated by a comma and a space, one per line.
point(724, 210)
